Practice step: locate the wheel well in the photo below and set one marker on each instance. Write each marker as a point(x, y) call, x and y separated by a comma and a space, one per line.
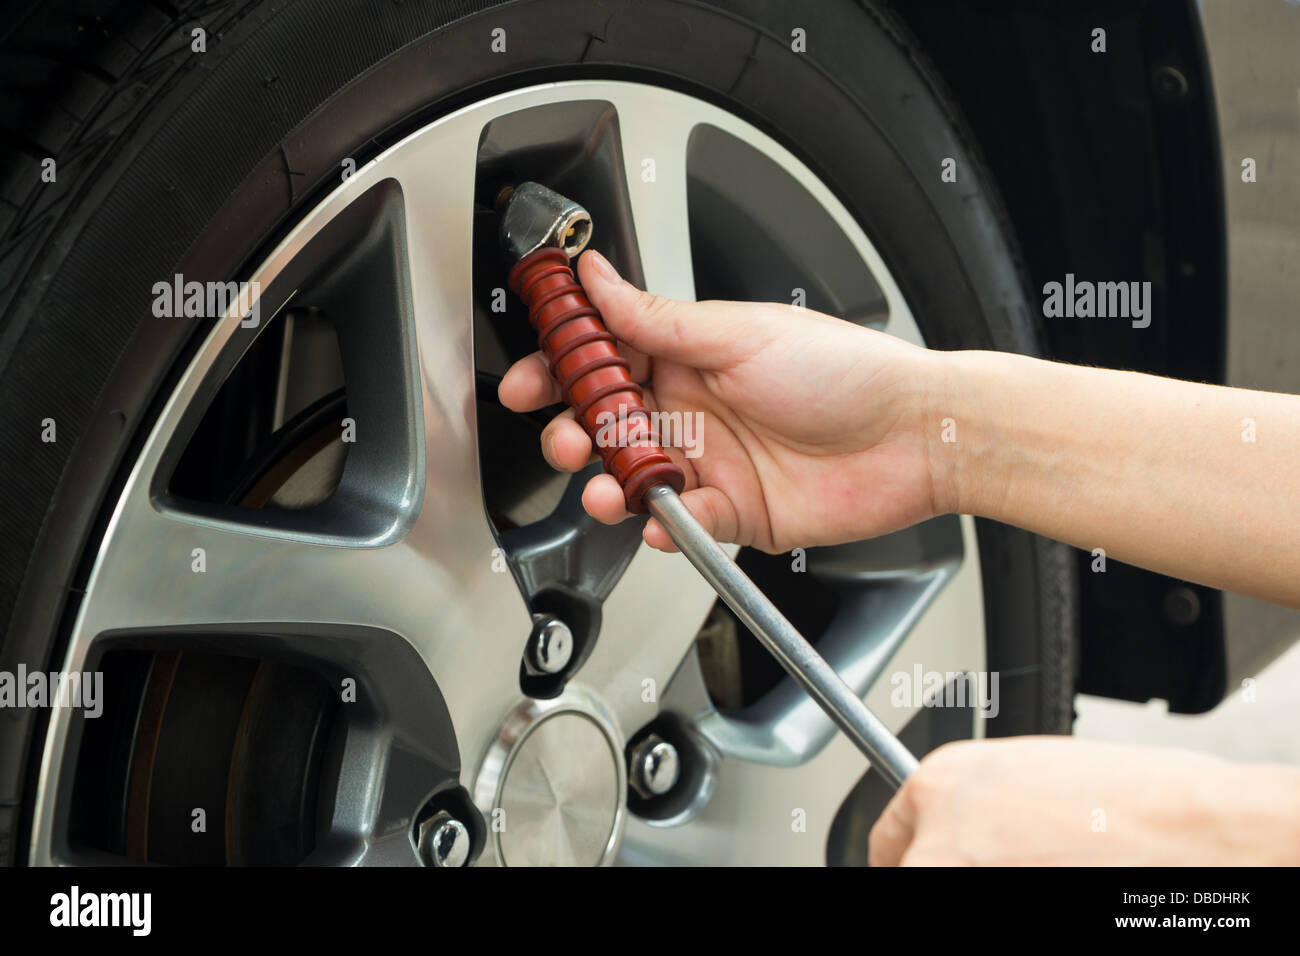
point(1108, 165)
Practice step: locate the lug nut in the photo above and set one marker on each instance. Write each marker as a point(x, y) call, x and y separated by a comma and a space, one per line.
point(550, 647)
point(656, 767)
point(444, 841)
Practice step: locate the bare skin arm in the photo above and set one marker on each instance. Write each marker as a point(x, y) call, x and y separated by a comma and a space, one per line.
point(1199, 482)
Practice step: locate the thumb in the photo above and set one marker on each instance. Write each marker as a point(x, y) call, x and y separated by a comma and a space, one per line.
point(893, 831)
point(704, 335)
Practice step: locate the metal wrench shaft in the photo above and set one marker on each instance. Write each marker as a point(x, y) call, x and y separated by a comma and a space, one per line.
point(800, 660)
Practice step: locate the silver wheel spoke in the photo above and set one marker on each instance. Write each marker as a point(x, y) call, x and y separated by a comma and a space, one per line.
point(169, 570)
point(471, 607)
point(654, 133)
point(650, 622)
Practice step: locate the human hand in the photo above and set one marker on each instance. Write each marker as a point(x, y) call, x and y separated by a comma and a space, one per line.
point(1058, 800)
point(812, 431)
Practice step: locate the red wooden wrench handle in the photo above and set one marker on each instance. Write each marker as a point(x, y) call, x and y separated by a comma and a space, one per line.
point(594, 379)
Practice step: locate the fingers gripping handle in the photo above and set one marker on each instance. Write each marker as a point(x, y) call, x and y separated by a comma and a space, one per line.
point(594, 379)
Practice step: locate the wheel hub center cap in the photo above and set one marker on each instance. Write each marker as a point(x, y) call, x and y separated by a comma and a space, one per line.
point(553, 785)
point(560, 796)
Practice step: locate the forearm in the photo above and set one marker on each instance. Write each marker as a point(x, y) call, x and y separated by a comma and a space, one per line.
point(1158, 473)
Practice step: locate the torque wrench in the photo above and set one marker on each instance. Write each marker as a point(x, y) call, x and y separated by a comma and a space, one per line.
point(540, 231)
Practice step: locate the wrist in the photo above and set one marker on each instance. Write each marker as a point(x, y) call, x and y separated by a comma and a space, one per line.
point(956, 431)
point(934, 429)
point(978, 446)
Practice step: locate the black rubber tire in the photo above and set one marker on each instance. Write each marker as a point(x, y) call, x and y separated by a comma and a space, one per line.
point(169, 160)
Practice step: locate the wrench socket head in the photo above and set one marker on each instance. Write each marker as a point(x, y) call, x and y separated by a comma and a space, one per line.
point(534, 217)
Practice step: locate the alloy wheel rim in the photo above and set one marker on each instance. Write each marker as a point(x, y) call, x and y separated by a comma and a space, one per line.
point(417, 560)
